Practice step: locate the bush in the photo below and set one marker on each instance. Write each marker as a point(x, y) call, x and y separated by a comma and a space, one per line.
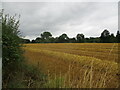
point(11, 47)
point(15, 71)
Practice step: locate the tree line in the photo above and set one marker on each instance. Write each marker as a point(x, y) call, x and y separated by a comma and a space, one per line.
point(46, 37)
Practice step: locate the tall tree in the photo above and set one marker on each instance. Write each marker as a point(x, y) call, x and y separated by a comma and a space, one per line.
point(63, 38)
point(46, 35)
point(105, 36)
point(80, 38)
point(118, 36)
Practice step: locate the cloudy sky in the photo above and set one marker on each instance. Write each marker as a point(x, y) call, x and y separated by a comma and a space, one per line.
point(89, 18)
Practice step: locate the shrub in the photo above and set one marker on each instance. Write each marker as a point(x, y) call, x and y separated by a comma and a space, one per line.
point(11, 47)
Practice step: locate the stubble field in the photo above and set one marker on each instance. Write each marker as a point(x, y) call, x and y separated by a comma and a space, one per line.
point(76, 65)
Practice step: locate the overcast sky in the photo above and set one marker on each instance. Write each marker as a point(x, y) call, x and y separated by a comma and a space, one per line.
point(89, 18)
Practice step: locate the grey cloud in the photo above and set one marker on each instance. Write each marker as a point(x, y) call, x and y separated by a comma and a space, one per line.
point(89, 18)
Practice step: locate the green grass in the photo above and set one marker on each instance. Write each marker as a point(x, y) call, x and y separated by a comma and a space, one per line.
point(55, 83)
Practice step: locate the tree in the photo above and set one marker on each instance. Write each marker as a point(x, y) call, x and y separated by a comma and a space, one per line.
point(46, 35)
point(52, 39)
point(38, 40)
point(80, 38)
point(118, 36)
point(63, 38)
point(72, 40)
point(105, 36)
point(33, 41)
point(25, 40)
point(112, 38)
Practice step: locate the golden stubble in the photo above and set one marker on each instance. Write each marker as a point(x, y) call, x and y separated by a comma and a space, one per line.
point(82, 65)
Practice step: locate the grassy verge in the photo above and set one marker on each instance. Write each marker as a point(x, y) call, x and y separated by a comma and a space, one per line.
point(27, 76)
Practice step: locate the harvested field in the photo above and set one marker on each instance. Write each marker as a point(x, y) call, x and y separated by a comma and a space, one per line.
point(77, 65)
